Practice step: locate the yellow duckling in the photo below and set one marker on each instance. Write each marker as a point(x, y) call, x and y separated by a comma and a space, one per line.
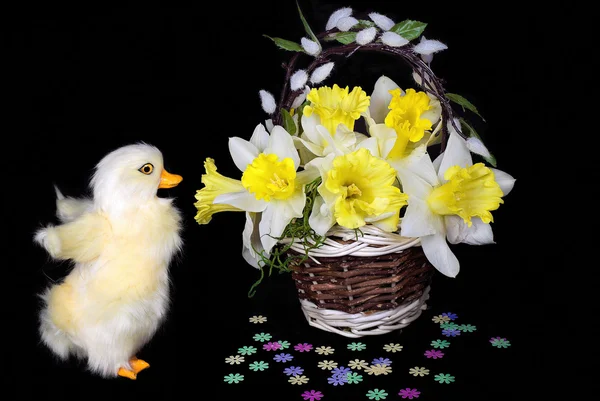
point(121, 242)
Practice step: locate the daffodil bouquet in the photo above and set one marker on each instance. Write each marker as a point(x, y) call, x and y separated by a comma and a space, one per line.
point(315, 185)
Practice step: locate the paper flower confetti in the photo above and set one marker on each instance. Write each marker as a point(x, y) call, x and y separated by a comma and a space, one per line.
point(381, 361)
point(354, 378)
point(262, 337)
point(324, 350)
point(298, 379)
point(342, 370)
point(293, 371)
point(283, 357)
point(441, 344)
point(451, 333)
point(418, 371)
point(247, 350)
point(284, 344)
point(444, 378)
point(259, 365)
point(393, 347)
point(312, 395)
point(440, 319)
point(449, 326)
point(451, 316)
point(358, 364)
point(499, 342)
point(469, 328)
point(234, 378)
point(303, 347)
point(434, 354)
point(327, 365)
point(409, 393)
point(337, 380)
point(234, 359)
point(357, 346)
point(271, 346)
point(377, 394)
point(258, 319)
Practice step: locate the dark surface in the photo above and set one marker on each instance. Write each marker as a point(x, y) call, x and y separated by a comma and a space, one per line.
point(185, 80)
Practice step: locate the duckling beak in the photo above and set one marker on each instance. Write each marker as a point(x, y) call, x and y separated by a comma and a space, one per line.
point(168, 180)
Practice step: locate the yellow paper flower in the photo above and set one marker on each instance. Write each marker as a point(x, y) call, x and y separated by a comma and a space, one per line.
point(336, 106)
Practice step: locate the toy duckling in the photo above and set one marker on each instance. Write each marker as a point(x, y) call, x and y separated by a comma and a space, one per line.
point(121, 242)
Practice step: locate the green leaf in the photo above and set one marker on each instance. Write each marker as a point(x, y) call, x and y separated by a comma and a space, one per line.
point(363, 23)
point(286, 44)
point(472, 133)
point(458, 99)
point(409, 29)
point(306, 26)
point(346, 37)
point(288, 122)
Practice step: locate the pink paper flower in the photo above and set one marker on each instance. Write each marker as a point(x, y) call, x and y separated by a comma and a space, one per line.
point(435, 354)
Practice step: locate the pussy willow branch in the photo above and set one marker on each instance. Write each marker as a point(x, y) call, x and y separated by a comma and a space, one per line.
point(429, 82)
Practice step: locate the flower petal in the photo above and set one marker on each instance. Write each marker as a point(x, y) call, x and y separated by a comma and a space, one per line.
point(458, 231)
point(420, 163)
point(321, 218)
point(242, 152)
point(371, 145)
point(504, 180)
point(418, 219)
point(438, 253)
point(380, 98)
point(274, 219)
point(455, 154)
point(251, 240)
point(413, 184)
point(282, 144)
point(386, 138)
point(260, 138)
point(243, 200)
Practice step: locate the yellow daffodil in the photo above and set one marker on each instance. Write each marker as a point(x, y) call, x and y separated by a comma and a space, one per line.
point(357, 189)
point(400, 125)
point(328, 121)
point(455, 206)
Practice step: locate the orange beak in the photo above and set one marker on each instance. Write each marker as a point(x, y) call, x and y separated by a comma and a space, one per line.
point(168, 180)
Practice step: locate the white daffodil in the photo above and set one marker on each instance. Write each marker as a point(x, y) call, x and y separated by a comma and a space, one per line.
point(356, 189)
point(271, 190)
point(400, 124)
point(328, 120)
point(454, 206)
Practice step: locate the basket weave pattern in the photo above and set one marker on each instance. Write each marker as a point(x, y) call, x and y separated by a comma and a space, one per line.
point(355, 284)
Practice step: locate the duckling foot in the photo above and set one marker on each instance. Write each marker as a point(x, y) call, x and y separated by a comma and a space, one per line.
point(137, 365)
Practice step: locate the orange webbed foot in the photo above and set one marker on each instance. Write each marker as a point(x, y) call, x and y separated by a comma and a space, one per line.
point(138, 365)
point(127, 373)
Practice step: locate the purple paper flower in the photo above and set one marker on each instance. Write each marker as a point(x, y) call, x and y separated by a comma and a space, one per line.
point(451, 332)
point(303, 347)
point(293, 371)
point(283, 357)
point(381, 361)
point(312, 395)
point(271, 346)
point(409, 393)
point(452, 316)
point(338, 379)
point(342, 370)
point(435, 354)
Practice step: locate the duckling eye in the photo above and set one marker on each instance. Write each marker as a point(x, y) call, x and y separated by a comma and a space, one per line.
point(147, 169)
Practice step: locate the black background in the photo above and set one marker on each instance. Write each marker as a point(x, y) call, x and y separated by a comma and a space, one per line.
point(186, 79)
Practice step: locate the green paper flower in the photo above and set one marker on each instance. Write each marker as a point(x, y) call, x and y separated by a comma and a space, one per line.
point(234, 378)
point(284, 344)
point(262, 337)
point(441, 344)
point(467, 327)
point(444, 378)
point(357, 346)
point(377, 394)
point(354, 378)
point(249, 350)
point(260, 365)
point(449, 326)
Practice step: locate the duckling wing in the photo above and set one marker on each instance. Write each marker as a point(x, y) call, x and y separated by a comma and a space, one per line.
point(68, 208)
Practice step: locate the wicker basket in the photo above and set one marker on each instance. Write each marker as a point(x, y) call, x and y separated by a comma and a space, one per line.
point(362, 285)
